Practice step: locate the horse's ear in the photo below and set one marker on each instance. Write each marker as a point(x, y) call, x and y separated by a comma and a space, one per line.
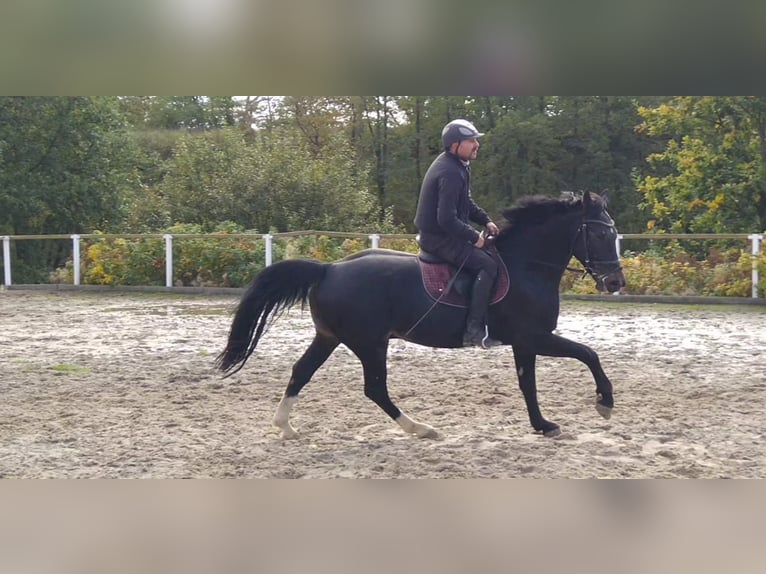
point(586, 199)
point(605, 197)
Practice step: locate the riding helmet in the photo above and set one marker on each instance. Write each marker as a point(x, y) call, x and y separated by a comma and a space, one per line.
point(458, 130)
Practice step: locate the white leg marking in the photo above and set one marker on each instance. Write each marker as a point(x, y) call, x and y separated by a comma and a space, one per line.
point(282, 417)
point(413, 427)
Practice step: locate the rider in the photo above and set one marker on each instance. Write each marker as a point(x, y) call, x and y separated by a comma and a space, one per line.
point(444, 209)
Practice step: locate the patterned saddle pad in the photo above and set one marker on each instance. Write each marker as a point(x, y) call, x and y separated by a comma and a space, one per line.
point(436, 277)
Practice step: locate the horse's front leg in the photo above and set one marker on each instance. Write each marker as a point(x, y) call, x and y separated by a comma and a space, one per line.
point(556, 346)
point(525, 369)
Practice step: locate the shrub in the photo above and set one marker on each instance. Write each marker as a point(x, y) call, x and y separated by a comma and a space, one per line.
point(723, 273)
point(400, 244)
point(217, 261)
point(120, 261)
point(231, 258)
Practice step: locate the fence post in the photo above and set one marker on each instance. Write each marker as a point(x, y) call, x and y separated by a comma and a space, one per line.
point(618, 250)
point(76, 258)
point(756, 242)
point(268, 241)
point(168, 260)
point(7, 259)
point(375, 239)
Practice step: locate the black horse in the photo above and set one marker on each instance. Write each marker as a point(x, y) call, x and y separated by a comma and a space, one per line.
point(366, 299)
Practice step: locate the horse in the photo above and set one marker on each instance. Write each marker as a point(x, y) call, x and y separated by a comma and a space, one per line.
point(375, 295)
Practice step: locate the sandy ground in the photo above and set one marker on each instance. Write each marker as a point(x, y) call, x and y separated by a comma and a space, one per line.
point(122, 385)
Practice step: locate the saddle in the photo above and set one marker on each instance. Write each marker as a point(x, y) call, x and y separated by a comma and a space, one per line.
point(437, 274)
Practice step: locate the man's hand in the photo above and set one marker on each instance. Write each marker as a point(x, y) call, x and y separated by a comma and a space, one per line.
point(480, 241)
point(492, 228)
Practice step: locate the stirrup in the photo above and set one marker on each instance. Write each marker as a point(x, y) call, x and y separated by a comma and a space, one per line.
point(480, 340)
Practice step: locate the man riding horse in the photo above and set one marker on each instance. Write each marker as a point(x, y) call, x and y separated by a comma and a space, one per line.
point(445, 208)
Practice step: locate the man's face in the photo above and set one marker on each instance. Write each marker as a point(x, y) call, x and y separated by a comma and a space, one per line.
point(466, 149)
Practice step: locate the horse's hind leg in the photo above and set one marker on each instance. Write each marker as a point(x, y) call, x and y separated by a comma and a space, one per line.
point(375, 388)
point(525, 369)
point(320, 349)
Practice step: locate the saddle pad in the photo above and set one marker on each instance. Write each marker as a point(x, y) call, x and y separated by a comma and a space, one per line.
point(436, 276)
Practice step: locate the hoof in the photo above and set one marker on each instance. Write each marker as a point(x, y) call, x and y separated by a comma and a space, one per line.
point(420, 430)
point(427, 432)
point(604, 411)
point(287, 431)
point(547, 428)
point(552, 432)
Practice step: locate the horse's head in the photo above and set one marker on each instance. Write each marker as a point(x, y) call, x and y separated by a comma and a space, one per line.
point(595, 245)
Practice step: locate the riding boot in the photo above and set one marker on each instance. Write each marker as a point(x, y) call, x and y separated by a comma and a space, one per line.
point(476, 333)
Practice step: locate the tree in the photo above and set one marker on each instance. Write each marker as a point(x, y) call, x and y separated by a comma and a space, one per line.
point(65, 165)
point(375, 116)
point(305, 191)
point(282, 184)
point(602, 150)
point(207, 178)
point(548, 144)
point(181, 112)
point(711, 175)
point(519, 157)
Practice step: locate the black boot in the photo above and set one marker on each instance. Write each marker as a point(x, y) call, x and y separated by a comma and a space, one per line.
point(476, 333)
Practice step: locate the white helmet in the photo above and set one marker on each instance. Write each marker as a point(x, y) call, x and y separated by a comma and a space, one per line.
point(458, 130)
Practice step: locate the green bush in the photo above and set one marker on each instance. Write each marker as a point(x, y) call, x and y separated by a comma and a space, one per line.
point(320, 247)
point(120, 261)
point(723, 273)
point(217, 260)
point(225, 260)
point(408, 245)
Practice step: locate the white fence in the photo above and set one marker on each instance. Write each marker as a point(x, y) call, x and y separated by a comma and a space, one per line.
point(374, 239)
point(267, 238)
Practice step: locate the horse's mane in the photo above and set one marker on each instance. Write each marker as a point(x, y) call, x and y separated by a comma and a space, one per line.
point(537, 209)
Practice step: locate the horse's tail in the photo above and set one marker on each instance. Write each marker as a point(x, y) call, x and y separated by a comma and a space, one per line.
point(275, 289)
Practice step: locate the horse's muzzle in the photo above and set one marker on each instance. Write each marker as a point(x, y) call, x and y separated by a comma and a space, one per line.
point(611, 282)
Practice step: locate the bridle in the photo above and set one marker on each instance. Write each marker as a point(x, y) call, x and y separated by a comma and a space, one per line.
point(613, 264)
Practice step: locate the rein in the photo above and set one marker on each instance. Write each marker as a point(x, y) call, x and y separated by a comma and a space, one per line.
point(588, 269)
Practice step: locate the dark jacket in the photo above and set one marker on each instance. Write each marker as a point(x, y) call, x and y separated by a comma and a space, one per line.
point(445, 205)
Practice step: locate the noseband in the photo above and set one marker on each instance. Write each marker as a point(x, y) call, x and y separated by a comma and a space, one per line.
point(613, 265)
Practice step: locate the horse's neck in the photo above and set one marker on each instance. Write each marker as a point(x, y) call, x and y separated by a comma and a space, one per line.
point(549, 244)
